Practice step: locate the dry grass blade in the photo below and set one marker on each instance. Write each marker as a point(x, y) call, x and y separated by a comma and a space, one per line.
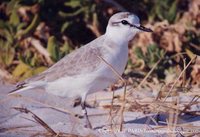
point(39, 120)
point(123, 108)
point(6, 75)
point(125, 85)
point(49, 106)
point(195, 99)
point(113, 70)
point(94, 26)
point(176, 114)
point(149, 73)
point(37, 44)
point(172, 87)
point(111, 108)
point(182, 72)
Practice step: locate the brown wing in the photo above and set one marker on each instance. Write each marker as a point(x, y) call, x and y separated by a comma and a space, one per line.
point(84, 60)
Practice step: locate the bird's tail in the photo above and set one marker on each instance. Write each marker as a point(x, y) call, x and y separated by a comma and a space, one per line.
point(25, 86)
point(19, 89)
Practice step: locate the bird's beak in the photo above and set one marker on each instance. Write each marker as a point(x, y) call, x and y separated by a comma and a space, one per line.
point(142, 28)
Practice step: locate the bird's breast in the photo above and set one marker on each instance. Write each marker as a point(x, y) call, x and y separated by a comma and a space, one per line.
point(105, 76)
point(117, 57)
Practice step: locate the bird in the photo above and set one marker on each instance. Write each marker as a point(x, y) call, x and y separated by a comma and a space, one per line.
point(82, 71)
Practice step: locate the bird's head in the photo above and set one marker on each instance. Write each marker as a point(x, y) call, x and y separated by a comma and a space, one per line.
point(124, 26)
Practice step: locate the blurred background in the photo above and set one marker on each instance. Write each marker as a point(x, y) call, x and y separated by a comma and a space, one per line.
point(34, 34)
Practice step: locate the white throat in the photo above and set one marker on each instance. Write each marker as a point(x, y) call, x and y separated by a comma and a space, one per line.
point(119, 36)
point(116, 37)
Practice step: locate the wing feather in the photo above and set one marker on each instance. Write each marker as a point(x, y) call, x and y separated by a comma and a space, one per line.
point(81, 61)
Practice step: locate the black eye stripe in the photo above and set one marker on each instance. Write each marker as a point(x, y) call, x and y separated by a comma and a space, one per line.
point(124, 22)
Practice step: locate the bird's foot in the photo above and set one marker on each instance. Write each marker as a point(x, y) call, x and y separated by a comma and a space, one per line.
point(88, 124)
point(90, 105)
point(77, 102)
point(79, 116)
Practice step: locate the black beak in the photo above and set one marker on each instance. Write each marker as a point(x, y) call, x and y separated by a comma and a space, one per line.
point(142, 28)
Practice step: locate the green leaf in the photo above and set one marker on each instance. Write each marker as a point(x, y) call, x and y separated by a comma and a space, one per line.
point(12, 5)
point(72, 14)
point(31, 28)
point(73, 3)
point(3, 24)
point(20, 69)
point(10, 53)
point(190, 53)
point(166, 9)
point(14, 18)
point(21, 25)
point(7, 53)
point(65, 26)
point(139, 53)
point(65, 49)
point(32, 72)
point(39, 70)
point(52, 48)
point(172, 12)
point(33, 60)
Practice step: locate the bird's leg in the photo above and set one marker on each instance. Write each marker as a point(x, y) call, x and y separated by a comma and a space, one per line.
point(88, 124)
point(77, 102)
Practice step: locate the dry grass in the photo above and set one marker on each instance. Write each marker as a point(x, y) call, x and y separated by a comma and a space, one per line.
point(173, 108)
point(124, 96)
point(164, 103)
point(50, 132)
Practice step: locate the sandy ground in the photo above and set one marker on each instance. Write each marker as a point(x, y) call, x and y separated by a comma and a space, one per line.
point(58, 113)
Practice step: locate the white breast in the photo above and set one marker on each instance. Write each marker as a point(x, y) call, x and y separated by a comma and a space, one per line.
point(104, 77)
point(118, 57)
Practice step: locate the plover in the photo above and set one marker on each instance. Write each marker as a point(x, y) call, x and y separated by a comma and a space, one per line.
point(82, 71)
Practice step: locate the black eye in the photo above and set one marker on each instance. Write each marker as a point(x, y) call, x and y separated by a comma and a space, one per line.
point(124, 22)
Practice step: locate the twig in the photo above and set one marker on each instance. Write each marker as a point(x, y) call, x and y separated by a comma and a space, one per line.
point(194, 99)
point(113, 70)
point(111, 108)
point(6, 75)
point(194, 46)
point(125, 84)
point(39, 120)
point(172, 87)
point(176, 115)
point(38, 45)
point(148, 121)
point(149, 73)
point(94, 25)
point(184, 74)
point(48, 106)
point(123, 108)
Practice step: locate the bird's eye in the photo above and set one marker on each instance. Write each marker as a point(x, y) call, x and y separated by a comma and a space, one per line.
point(124, 22)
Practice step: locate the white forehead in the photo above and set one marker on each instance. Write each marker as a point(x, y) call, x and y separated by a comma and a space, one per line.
point(132, 18)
